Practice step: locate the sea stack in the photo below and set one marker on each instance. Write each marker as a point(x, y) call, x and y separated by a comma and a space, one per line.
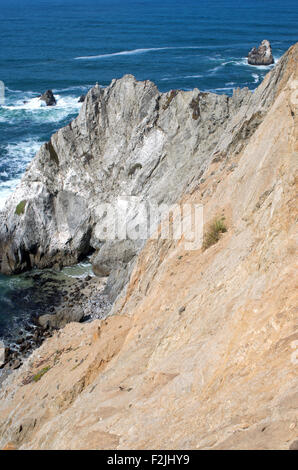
point(48, 98)
point(261, 55)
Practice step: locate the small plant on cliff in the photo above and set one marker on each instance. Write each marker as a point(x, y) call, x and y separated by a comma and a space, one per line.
point(40, 374)
point(20, 209)
point(215, 229)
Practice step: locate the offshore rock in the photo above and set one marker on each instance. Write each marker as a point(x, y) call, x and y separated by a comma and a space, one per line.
point(48, 98)
point(261, 55)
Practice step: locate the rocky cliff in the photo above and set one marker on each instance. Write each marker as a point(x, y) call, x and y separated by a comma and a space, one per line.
point(200, 351)
point(128, 140)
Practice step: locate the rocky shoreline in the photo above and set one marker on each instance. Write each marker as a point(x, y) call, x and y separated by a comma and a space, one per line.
point(193, 331)
point(79, 300)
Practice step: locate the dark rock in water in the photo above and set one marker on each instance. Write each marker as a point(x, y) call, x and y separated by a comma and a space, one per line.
point(82, 99)
point(261, 55)
point(49, 98)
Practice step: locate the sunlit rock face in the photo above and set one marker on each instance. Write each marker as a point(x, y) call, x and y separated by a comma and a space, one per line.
point(128, 140)
point(201, 352)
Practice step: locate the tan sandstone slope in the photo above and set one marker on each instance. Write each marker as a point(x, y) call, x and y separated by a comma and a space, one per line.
point(200, 351)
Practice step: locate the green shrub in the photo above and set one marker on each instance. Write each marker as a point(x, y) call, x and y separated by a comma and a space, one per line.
point(40, 374)
point(20, 209)
point(215, 229)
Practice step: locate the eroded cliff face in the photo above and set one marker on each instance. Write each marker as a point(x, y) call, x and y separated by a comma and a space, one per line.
point(128, 140)
point(200, 351)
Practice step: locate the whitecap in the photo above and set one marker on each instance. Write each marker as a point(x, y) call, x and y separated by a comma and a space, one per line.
point(167, 79)
point(144, 51)
point(73, 88)
point(219, 90)
point(243, 61)
point(31, 104)
point(132, 52)
point(193, 76)
point(21, 151)
point(37, 110)
point(16, 157)
point(6, 190)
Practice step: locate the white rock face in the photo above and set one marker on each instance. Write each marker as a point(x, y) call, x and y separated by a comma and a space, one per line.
point(128, 140)
point(2, 353)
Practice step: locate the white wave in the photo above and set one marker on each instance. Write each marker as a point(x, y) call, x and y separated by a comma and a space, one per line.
point(168, 79)
point(215, 69)
point(72, 88)
point(243, 61)
point(6, 189)
point(16, 157)
point(193, 76)
point(37, 110)
point(155, 49)
point(21, 151)
point(142, 51)
point(132, 52)
point(256, 77)
point(33, 103)
point(215, 90)
point(13, 91)
point(36, 103)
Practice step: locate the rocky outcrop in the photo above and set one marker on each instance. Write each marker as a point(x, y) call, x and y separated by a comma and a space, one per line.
point(48, 98)
point(81, 99)
point(195, 331)
point(261, 55)
point(129, 141)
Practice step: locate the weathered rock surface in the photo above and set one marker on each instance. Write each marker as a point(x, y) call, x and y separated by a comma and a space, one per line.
point(199, 353)
point(48, 98)
point(261, 55)
point(128, 140)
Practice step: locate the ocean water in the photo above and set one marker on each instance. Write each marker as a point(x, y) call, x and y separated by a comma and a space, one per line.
point(69, 45)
